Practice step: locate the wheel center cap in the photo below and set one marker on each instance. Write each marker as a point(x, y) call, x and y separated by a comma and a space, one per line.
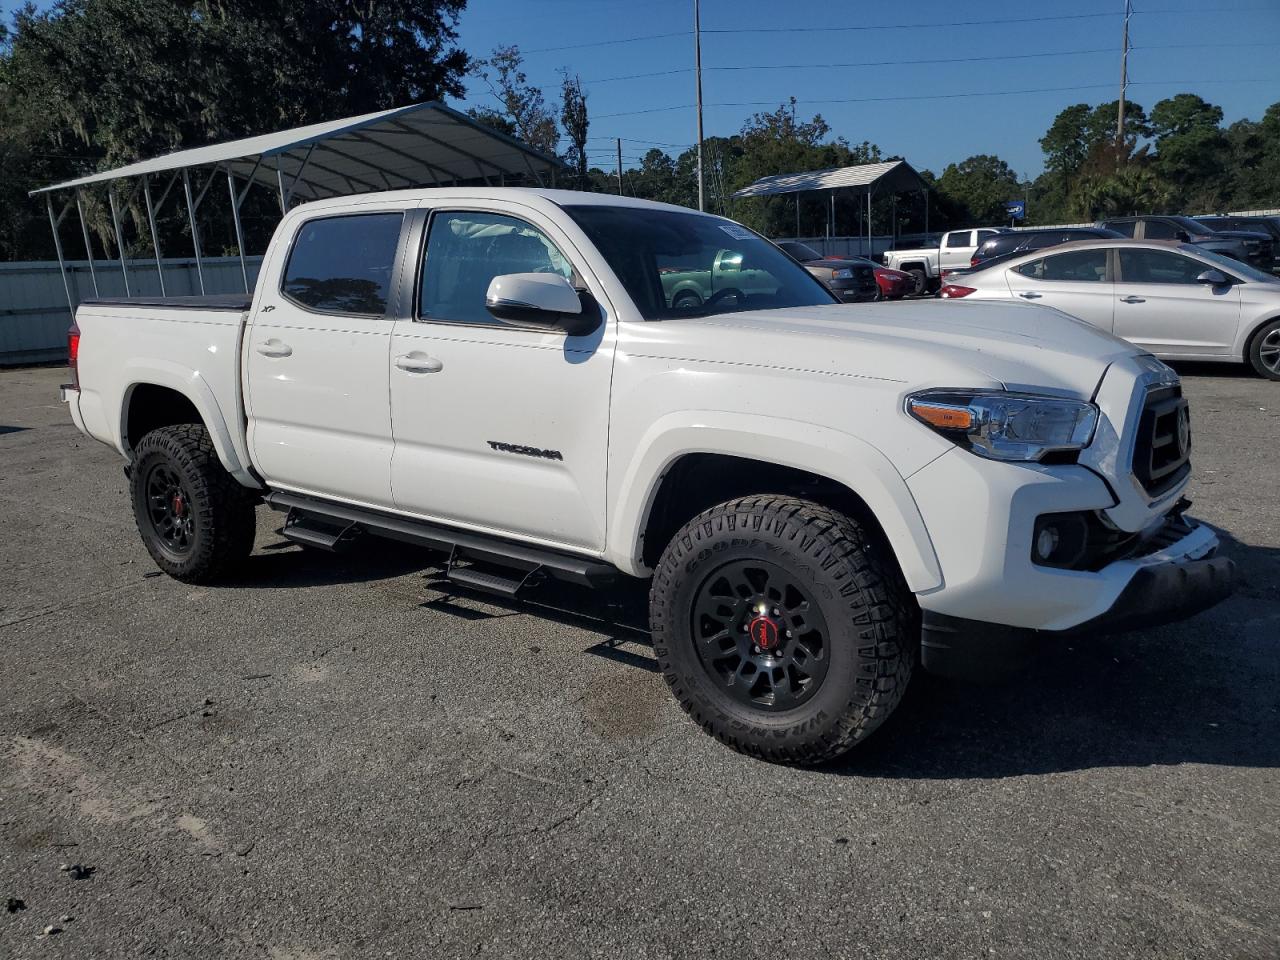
point(764, 632)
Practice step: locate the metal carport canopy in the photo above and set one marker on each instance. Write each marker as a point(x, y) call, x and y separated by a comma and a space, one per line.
point(893, 176)
point(421, 144)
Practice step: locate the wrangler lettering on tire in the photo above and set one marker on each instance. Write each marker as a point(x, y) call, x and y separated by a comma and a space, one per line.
point(783, 627)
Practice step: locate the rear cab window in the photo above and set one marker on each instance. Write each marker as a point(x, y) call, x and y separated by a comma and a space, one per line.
point(960, 239)
point(343, 264)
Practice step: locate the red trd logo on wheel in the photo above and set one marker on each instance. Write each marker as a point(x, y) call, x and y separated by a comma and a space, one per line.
point(763, 632)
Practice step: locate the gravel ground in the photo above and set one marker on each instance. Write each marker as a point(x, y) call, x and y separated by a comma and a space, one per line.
point(334, 758)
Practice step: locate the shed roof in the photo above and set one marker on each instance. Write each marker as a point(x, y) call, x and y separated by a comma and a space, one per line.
point(894, 176)
point(421, 144)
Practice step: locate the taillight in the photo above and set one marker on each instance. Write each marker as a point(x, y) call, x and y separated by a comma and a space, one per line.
point(73, 354)
point(975, 260)
point(953, 291)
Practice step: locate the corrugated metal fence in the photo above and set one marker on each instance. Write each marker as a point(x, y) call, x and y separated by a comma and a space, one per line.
point(33, 304)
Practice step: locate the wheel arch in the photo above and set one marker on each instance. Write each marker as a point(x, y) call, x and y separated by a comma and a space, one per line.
point(686, 469)
point(165, 394)
point(1252, 335)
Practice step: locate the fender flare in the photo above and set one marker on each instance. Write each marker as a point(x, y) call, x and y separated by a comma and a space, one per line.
point(837, 456)
point(164, 373)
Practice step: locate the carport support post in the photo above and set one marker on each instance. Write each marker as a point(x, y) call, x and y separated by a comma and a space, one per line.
point(869, 245)
point(151, 222)
point(235, 215)
point(797, 215)
point(88, 250)
point(57, 246)
point(195, 230)
point(115, 222)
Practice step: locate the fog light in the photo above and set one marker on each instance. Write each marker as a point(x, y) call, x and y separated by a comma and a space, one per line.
point(1047, 542)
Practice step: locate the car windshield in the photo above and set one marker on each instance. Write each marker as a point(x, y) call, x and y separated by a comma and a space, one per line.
point(802, 252)
point(1235, 267)
point(689, 264)
point(1193, 227)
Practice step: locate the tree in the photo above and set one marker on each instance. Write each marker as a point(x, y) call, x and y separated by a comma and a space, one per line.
point(980, 186)
point(91, 84)
point(522, 103)
point(573, 116)
point(1191, 150)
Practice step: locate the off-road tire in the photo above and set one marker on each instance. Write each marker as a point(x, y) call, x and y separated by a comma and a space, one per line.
point(221, 514)
point(1265, 338)
point(850, 574)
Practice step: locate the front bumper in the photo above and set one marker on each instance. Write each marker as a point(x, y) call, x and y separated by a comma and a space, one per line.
point(1157, 594)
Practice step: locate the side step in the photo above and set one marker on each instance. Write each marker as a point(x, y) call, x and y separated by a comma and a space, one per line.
point(310, 531)
point(320, 519)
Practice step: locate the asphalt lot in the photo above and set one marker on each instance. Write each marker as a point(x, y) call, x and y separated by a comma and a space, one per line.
point(331, 758)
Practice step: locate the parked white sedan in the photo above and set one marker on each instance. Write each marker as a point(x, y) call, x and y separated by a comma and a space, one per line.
point(1177, 301)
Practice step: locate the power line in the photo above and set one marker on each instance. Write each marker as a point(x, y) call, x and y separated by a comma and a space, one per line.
point(606, 43)
point(917, 26)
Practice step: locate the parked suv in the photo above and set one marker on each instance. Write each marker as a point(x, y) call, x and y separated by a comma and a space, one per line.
point(1270, 225)
point(1247, 245)
point(1024, 241)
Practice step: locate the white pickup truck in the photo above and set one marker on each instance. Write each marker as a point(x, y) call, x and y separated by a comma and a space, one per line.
point(927, 265)
point(823, 496)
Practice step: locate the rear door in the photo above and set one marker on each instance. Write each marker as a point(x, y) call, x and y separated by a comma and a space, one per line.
point(1074, 281)
point(1160, 306)
point(499, 427)
point(956, 250)
point(319, 421)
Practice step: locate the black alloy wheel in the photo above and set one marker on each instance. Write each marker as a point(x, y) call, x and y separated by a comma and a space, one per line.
point(760, 636)
point(169, 511)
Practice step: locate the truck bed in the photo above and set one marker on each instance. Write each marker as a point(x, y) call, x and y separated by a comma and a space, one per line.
point(237, 302)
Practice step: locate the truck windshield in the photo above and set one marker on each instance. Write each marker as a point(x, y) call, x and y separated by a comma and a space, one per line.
point(690, 264)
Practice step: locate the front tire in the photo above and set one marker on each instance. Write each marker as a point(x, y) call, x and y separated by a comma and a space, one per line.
point(195, 520)
point(1264, 351)
point(784, 628)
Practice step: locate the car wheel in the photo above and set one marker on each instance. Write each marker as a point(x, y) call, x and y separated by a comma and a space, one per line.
point(784, 628)
point(196, 521)
point(1264, 351)
point(918, 281)
point(686, 300)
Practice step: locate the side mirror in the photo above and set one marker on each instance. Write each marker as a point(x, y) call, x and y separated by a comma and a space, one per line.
point(539, 299)
point(1213, 278)
point(1182, 236)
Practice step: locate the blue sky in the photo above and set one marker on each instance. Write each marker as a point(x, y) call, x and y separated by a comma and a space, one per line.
point(1225, 50)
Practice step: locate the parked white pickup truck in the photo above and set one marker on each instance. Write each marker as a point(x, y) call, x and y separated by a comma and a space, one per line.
point(822, 495)
point(928, 264)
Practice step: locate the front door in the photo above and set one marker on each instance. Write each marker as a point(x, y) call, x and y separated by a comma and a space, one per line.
point(1161, 306)
point(1075, 282)
point(319, 421)
point(500, 427)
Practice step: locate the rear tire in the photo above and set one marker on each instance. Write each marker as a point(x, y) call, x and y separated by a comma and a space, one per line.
point(824, 596)
point(919, 281)
point(195, 520)
point(1264, 351)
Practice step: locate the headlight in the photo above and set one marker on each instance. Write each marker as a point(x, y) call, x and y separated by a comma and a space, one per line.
point(845, 274)
point(1007, 426)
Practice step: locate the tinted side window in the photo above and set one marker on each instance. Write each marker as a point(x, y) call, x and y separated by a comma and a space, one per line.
point(1160, 230)
point(343, 264)
point(1077, 266)
point(466, 250)
point(960, 239)
point(1121, 226)
point(1158, 266)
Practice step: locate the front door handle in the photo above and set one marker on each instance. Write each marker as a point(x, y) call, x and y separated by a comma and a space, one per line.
point(1133, 299)
point(419, 364)
point(274, 348)
point(1031, 296)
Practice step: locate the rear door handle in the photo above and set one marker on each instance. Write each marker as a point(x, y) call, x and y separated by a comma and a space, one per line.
point(419, 364)
point(1133, 299)
point(1031, 296)
point(274, 348)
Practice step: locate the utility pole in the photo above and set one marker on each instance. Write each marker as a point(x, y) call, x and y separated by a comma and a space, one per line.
point(1124, 78)
point(619, 142)
point(697, 69)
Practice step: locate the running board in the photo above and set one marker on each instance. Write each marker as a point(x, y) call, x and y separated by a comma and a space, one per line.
point(310, 531)
point(460, 544)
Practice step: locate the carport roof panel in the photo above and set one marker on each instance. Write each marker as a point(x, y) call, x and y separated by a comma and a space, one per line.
point(421, 144)
point(893, 175)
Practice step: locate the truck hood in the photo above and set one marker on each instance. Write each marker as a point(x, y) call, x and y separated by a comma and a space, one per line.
point(1022, 347)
